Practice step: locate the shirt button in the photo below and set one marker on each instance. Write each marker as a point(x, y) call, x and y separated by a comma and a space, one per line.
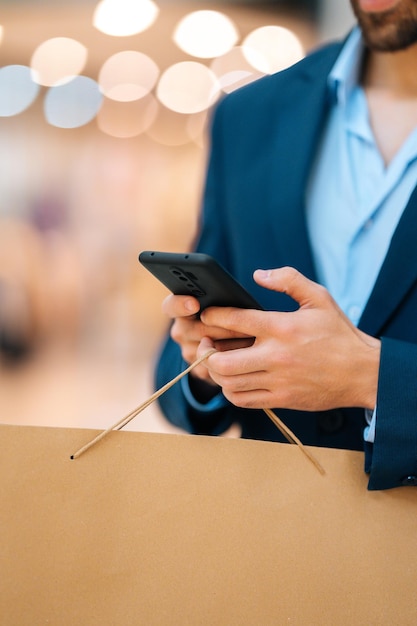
point(354, 313)
point(409, 480)
point(368, 224)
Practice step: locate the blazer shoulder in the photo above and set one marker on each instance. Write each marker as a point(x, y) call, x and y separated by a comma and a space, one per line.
point(315, 66)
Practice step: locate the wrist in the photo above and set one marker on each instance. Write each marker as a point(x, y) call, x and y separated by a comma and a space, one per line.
point(367, 373)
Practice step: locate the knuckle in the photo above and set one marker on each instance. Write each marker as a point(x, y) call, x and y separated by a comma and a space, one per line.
point(287, 331)
point(325, 295)
point(221, 365)
point(290, 274)
point(322, 291)
point(290, 271)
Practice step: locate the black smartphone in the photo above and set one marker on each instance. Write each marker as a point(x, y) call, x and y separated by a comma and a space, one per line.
point(198, 275)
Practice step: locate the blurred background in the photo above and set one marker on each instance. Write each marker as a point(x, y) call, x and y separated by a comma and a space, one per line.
point(103, 145)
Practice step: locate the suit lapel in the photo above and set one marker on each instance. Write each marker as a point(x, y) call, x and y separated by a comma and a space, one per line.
point(398, 272)
point(290, 173)
point(294, 149)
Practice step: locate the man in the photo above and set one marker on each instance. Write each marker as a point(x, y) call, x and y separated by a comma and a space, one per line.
point(312, 178)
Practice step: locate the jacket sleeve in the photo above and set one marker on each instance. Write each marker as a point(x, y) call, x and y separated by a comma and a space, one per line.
point(392, 459)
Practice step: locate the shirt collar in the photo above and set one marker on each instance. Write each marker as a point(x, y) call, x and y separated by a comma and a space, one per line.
point(345, 73)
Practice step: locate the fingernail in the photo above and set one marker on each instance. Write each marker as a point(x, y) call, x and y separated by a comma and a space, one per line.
point(263, 273)
point(190, 306)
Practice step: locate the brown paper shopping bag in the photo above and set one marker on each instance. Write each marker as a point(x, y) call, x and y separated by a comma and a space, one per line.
point(180, 530)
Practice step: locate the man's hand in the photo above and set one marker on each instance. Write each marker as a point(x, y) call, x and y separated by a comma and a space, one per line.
point(188, 330)
point(310, 359)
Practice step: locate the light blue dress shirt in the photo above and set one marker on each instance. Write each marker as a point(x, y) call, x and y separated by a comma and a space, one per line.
point(354, 201)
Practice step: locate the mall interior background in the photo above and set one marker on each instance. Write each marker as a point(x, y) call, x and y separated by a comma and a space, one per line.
point(95, 168)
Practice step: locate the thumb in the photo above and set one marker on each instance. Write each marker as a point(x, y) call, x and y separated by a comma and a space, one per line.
point(288, 280)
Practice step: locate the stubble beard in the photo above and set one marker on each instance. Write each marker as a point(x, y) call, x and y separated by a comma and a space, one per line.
point(389, 31)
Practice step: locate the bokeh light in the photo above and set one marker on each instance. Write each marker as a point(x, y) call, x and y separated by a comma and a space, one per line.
point(183, 87)
point(122, 18)
point(128, 75)
point(233, 70)
point(73, 104)
point(57, 60)
point(206, 34)
point(271, 49)
point(17, 89)
point(127, 119)
point(188, 87)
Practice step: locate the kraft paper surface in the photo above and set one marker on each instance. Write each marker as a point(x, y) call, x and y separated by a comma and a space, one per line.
point(181, 530)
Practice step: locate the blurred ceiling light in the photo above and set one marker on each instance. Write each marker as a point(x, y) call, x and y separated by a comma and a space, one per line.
point(122, 18)
point(17, 89)
point(128, 75)
point(270, 49)
point(233, 70)
point(127, 119)
point(188, 87)
point(58, 60)
point(205, 34)
point(74, 104)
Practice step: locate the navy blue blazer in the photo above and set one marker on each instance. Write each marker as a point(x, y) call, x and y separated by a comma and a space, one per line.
point(264, 140)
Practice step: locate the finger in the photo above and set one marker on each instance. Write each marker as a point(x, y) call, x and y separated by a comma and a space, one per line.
point(180, 306)
point(238, 362)
point(288, 280)
point(254, 399)
point(205, 345)
point(239, 322)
